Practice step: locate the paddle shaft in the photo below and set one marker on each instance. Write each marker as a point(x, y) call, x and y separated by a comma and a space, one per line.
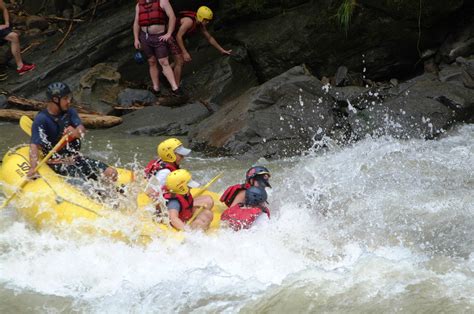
point(203, 189)
point(42, 162)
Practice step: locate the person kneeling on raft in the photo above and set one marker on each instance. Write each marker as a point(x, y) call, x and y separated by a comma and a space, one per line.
point(171, 153)
point(244, 215)
point(258, 176)
point(180, 204)
point(50, 125)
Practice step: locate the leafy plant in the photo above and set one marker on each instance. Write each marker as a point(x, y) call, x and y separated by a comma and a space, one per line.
point(344, 13)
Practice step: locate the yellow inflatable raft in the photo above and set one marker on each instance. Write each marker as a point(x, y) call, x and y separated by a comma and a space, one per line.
point(51, 202)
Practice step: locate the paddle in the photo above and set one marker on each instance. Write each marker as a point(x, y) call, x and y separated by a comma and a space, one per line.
point(45, 159)
point(26, 124)
point(203, 189)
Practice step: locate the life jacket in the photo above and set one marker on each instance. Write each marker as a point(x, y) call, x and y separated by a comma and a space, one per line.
point(239, 217)
point(229, 195)
point(191, 15)
point(156, 165)
point(151, 13)
point(186, 202)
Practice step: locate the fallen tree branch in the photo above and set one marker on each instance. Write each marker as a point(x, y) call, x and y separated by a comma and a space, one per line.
point(40, 105)
point(64, 38)
point(88, 120)
point(57, 18)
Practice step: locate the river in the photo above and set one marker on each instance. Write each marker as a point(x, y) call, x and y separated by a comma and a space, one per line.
point(381, 226)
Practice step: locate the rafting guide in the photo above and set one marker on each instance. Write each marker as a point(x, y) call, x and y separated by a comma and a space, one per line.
point(59, 120)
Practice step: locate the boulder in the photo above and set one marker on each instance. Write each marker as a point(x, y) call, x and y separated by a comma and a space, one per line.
point(467, 66)
point(3, 102)
point(130, 96)
point(99, 87)
point(38, 22)
point(159, 120)
point(5, 54)
point(214, 78)
point(281, 117)
point(423, 108)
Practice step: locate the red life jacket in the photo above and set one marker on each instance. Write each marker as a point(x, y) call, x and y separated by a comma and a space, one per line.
point(186, 202)
point(229, 195)
point(151, 13)
point(156, 165)
point(191, 15)
point(239, 217)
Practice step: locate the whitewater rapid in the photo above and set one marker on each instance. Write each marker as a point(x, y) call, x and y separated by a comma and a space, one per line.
point(383, 225)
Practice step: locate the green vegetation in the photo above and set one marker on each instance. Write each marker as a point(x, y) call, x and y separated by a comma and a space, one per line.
point(344, 13)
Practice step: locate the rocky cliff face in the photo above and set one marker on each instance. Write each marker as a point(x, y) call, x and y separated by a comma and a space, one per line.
point(257, 101)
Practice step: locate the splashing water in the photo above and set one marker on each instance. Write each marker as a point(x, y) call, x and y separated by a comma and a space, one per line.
point(381, 226)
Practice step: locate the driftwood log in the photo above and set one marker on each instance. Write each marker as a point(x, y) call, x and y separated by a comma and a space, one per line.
point(89, 120)
point(32, 104)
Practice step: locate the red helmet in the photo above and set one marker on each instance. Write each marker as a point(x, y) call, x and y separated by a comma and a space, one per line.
point(259, 174)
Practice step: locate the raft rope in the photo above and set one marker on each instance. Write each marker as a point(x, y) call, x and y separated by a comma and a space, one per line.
point(59, 199)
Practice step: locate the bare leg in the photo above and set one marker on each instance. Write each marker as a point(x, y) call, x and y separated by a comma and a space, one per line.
point(204, 218)
point(154, 73)
point(168, 72)
point(178, 68)
point(16, 52)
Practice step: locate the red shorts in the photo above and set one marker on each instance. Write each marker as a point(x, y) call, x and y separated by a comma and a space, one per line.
point(152, 45)
point(174, 47)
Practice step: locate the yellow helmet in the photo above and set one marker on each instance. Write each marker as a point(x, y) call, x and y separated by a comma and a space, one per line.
point(168, 149)
point(178, 181)
point(204, 13)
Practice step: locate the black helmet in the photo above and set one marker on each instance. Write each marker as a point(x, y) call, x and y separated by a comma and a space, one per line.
point(255, 196)
point(260, 174)
point(57, 89)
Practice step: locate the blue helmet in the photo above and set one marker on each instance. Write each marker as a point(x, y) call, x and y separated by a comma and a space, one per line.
point(138, 56)
point(57, 89)
point(255, 196)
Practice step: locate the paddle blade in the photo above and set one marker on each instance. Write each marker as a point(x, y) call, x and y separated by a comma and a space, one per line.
point(26, 124)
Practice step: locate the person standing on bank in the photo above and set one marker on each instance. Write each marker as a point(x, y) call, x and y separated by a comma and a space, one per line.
point(7, 34)
point(50, 125)
point(152, 28)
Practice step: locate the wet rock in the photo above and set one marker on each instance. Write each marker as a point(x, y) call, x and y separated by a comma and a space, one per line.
point(129, 96)
point(341, 76)
point(159, 120)
point(5, 54)
point(38, 22)
point(450, 73)
point(281, 117)
point(467, 66)
point(3, 102)
point(422, 108)
point(458, 44)
point(215, 78)
point(99, 87)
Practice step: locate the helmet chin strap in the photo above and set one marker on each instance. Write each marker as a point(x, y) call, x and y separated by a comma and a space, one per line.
point(59, 105)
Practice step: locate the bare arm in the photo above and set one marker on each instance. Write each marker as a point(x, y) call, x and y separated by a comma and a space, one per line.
point(34, 151)
point(165, 5)
point(175, 221)
point(6, 16)
point(213, 41)
point(136, 29)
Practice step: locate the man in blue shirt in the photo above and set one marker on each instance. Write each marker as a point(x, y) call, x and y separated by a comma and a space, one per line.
point(48, 128)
